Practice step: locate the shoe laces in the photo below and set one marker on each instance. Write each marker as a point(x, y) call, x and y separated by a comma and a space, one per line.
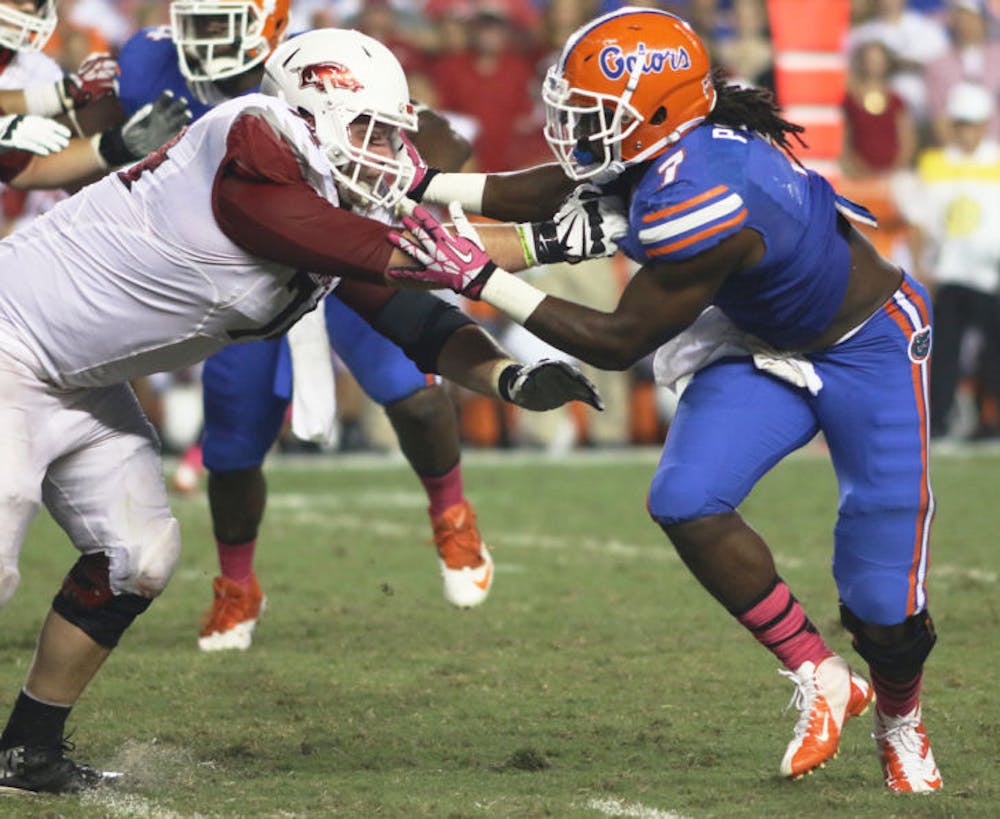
point(902, 732)
point(803, 698)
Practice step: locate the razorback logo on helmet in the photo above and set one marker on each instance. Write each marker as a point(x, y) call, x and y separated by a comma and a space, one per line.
point(615, 63)
point(329, 74)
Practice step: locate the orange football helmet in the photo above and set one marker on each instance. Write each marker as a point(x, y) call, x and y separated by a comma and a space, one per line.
point(218, 39)
point(626, 86)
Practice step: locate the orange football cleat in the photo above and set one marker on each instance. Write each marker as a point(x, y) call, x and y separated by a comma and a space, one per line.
point(466, 565)
point(235, 610)
point(827, 695)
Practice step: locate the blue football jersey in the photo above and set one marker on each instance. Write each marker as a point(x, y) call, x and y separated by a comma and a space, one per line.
point(717, 181)
point(149, 66)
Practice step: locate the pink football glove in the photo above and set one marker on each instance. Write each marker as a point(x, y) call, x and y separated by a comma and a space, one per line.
point(95, 79)
point(458, 263)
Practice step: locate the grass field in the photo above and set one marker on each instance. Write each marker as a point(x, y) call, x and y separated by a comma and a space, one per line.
point(599, 679)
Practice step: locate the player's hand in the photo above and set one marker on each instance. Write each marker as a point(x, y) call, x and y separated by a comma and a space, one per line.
point(416, 159)
point(37, 135)
point(547, 384)
point(446, 260)
point(155, 123)
point(96, 78)
point(587, 225)
point(145, 131)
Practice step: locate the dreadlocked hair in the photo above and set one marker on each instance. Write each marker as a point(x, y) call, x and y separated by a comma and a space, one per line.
point(752, 109)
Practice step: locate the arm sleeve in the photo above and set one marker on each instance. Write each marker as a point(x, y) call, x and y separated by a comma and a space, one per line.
point(12, 163)
point(418, 321)
point(262, 202)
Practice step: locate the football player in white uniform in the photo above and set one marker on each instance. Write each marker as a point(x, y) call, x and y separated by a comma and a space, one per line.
point(214, 50)
point(39, 153)
point(228, 233)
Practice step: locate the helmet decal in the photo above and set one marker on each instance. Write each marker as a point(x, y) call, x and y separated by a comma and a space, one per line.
point(328, 75)
point(615, 63)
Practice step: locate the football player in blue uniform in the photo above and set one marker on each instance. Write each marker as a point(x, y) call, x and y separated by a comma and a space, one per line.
point(754, 283)
point(213, 51)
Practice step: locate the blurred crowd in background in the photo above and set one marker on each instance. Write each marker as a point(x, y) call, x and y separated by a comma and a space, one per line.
point(918, 133)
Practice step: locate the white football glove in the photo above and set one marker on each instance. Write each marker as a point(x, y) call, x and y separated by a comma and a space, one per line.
point(37, 135)
point(587, 225)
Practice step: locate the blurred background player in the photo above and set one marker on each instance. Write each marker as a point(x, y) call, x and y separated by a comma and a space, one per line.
point(953, 204)
point(788, 323)
point(211, 52)
point(33, 89)
point(41, 153)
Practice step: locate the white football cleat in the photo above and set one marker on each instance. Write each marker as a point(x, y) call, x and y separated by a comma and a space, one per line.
point(468, 586)
point(905, 752)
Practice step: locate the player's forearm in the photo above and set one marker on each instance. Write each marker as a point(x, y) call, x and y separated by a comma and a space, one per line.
point(12, 102)
point(526, 196)
point(523, 196)
point(291, 224)
point(502, 242)
point(605, 340)
point(77, 163)
point(474, 360)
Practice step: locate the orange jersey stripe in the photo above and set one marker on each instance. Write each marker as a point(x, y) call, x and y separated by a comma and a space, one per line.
point(916, 371)
point(689, 203)
point(697, 237)
point(925, 499)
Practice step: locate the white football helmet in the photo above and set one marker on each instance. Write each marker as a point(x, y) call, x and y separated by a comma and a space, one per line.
point(336, 77)
point(27, 31)
point(219, 39)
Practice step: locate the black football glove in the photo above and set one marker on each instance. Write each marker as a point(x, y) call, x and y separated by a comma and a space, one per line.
point(546, 385)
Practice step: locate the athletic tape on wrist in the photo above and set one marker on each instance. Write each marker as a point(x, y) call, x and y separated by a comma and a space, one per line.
point(500, 378)
point(464, 188)
point(526, 234)
point(511, 295)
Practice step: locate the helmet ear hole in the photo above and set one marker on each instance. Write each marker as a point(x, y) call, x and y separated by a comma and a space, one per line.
point(659, 116)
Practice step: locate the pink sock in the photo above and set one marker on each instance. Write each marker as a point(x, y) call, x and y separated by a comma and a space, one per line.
point(781, 626)
point(896, 698)
point(236, 560)
point(444, 490)
point(192, 457)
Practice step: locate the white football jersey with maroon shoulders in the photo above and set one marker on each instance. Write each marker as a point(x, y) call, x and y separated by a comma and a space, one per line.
point(133, 275)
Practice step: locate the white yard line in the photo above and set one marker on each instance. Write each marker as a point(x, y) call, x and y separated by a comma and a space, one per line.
point(635, 810)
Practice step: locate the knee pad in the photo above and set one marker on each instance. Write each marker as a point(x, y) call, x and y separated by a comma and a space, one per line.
point(901, 659)
point(87, 601)
point(10, 577)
